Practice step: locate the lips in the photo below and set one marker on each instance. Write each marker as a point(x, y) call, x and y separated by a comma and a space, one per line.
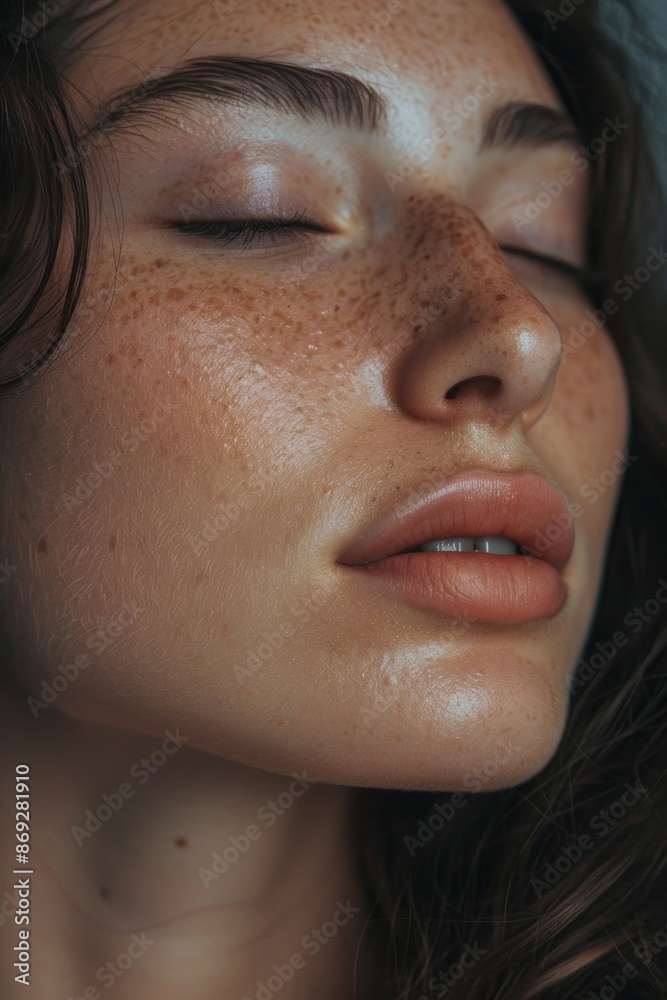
point(483, 587)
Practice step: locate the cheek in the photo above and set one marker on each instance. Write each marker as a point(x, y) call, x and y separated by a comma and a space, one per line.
point(582, 441)
point(139, 455)
point(591, 403)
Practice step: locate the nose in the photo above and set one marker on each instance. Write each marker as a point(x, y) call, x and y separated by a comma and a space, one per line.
point(486, 349)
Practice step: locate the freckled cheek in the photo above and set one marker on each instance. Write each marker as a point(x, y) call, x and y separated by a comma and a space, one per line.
point(592, 394)
point(587, 423)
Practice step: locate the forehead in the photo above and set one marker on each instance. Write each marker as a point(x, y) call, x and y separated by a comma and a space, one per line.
point(416, 49)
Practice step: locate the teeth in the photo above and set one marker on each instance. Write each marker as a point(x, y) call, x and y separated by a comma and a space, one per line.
point(496, 545)
point(493, 544)
point(449, 545)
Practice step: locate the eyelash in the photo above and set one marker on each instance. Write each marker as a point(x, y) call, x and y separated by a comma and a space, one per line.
point(245, 233)
point(587, 277)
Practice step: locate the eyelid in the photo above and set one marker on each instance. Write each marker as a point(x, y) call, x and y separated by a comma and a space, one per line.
point(588, 276)
point(246, 230)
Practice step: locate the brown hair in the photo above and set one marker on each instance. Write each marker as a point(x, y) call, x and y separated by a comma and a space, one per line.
point(530, 891)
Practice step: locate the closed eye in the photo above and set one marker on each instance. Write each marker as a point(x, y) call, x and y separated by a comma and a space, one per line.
point(244, 233)
point(588, 278)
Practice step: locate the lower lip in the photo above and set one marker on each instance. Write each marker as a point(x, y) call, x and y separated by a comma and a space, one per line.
point(474, 586)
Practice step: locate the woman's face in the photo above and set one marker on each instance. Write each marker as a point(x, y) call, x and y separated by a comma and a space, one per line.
point(185, 482)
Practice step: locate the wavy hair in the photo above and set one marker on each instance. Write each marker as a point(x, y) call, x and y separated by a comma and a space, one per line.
point(557, 887)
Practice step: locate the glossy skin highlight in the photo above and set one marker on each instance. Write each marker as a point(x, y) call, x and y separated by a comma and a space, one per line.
point(297, 391)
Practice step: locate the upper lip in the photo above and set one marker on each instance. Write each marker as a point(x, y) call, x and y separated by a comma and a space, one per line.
point(520, 506)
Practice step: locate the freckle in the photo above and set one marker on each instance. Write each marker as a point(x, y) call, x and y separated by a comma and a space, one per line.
point(200, 576)
point(133, 293)
point(138, 362)
point(280, 722)
point(104, 893)
point(23, 516)
point(501, 297)
point(203, 417)
point(41, 545)
point(185, 383)
point(158, 263)
point(181, 842)
point(111, 358)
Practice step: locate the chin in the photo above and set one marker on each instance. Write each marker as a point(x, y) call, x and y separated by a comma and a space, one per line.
point(455, 736)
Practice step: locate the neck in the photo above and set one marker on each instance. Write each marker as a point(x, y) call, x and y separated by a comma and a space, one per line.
point(165, 871)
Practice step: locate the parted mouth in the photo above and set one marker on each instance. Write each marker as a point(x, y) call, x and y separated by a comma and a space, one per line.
point(498, 513)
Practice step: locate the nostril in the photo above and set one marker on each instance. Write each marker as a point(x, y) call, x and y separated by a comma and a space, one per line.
point(486, 385)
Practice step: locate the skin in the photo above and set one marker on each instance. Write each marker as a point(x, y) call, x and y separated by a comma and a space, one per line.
point(297, 391)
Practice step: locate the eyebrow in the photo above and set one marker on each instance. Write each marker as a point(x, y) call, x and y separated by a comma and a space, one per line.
point(314, 94)
point(523, 124)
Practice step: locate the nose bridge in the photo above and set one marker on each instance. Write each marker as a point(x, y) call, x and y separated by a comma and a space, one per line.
point(486, 343)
